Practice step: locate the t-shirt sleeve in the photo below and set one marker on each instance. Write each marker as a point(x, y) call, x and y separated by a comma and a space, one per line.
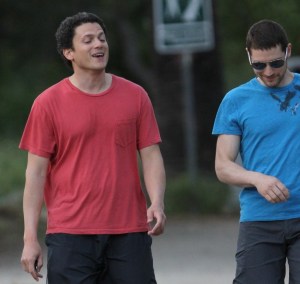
point(38, 135)
point(148, 131)
point(227, 118)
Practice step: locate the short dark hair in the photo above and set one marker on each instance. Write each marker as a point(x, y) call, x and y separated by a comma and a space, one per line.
point(66, 30)
point(266, 34)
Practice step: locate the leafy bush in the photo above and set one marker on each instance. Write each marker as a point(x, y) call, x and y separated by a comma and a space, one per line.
point(12, 167)
point(12, 177)
point(205, 196)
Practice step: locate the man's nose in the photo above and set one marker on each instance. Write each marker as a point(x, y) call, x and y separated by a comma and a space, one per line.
point(268, 70)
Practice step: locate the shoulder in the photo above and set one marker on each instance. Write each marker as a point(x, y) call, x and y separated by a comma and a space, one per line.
point(52, 92)
point(243, 90)
point(125, 83)
point(297, 78)
point(130, 92)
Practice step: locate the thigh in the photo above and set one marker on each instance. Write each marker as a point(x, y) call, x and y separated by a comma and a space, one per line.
point(73, 259)
point(293, 250)
point(260, 253)
point(129, 259)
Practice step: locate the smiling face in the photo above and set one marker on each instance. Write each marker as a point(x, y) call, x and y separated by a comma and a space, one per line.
point(270, 76)
point(90, 51)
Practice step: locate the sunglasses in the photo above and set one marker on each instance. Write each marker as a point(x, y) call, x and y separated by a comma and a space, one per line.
point(277, 63)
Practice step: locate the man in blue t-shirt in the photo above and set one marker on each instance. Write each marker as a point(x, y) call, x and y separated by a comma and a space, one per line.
point(260, 120)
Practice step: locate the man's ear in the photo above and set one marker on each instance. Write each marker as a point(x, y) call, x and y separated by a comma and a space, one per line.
point(289, 50)
point(68, 53)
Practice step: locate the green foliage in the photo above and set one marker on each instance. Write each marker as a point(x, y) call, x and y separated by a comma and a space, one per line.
point(234, 18)
point(29, 61)
point(205, 196)
point(12, 167)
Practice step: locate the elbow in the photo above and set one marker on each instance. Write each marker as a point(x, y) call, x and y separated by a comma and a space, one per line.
point(220, 172)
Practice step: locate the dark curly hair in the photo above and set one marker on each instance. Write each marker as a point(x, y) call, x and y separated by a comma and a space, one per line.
point(266, 34)
point(66, 30)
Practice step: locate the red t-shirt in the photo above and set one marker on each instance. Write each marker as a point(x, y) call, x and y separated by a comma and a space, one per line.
point(93, 184)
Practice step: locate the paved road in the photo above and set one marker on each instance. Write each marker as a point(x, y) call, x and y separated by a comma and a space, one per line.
point(196, 251)
point(192, 251)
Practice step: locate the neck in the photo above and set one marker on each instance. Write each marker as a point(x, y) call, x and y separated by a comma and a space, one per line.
point(91, 83)
point(288, 78)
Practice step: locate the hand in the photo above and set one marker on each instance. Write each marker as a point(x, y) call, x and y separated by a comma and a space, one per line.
point(156, 219)
point(32, 259)
point(272, 189)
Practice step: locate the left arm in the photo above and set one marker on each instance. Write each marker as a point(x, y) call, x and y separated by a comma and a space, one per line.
point(155, 181)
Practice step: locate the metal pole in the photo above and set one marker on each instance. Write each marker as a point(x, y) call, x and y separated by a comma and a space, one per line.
point(190, 125)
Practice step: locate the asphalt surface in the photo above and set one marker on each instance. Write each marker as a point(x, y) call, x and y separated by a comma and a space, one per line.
point(196, 251)
point(191, 251)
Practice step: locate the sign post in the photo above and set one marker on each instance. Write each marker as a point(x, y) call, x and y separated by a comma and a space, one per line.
point(184, 27)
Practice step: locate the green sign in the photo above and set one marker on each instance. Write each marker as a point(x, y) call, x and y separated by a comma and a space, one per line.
point(183, 26)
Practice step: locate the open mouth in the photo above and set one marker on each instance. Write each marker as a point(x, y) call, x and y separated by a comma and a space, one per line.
point(97, 55)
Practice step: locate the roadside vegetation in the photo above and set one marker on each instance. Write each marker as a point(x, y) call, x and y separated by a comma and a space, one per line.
point(205, 196)
point(12, 167)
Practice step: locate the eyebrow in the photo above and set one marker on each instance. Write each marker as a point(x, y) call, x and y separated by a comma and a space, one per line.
point(89, 34)
point(259, 61)
point(279, 58)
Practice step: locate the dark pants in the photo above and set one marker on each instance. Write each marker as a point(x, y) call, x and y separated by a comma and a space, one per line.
point(262, 251)
point(100, 259)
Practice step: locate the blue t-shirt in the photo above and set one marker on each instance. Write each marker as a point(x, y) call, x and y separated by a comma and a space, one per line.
point(268, 122)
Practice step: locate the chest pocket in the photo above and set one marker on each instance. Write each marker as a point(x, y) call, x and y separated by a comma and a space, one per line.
point(125, 132)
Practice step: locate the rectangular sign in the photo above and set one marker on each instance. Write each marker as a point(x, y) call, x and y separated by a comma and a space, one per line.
point(183, 25)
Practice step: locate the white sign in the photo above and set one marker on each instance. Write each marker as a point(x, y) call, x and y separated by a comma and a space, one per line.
point(183, 25)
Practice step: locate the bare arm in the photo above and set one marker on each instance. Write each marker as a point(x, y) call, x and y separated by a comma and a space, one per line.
point(230, 172)
point(32, 259)
point(155, 181)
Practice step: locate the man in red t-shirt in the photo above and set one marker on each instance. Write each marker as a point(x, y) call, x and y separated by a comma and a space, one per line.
point(82, 137)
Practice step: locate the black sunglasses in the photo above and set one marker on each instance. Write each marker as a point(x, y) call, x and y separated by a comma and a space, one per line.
point(277, 63)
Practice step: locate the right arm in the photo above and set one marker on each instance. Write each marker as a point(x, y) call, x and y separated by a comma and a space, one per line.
point(230, 172)
point(36, 172)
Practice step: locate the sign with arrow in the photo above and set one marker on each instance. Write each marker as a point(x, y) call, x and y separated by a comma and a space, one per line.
point(183, 25)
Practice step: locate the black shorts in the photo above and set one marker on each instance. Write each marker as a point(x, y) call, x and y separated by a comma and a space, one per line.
point(263, 249)
point(100, 259)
